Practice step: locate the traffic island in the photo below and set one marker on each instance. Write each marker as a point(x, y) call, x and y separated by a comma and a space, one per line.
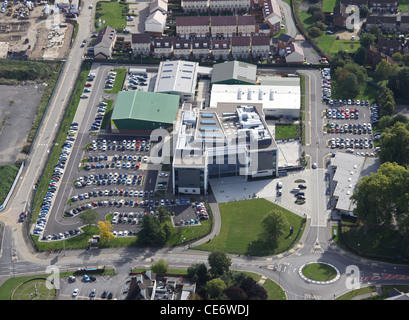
point(319, 273)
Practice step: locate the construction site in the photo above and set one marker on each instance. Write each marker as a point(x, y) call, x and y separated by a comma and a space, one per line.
point(33, 30)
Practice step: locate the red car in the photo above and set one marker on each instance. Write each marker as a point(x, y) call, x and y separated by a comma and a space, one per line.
point(88, 84)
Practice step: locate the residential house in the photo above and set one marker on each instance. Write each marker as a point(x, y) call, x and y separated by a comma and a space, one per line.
point(229, 5)
point(141, 44)
point(162, 47)
point(221, 49)
point(198, 26)
point(182, 48)
point(148, 285)
point(357, 3)
point(155, 23)
point(374, 56)
point(260, 46)
point(386, 23)
point(294, 54)
point(104, 43)
point(390, 46)
point(339, 16)
point(201, 48)
point(383, 6)
point(404, 23)
point(160, 5)
point(194, 5)
point(272, 16)
point(264, 28)
point(246, 25)
point(240, 46)
point(223, 26)
point(283, 41)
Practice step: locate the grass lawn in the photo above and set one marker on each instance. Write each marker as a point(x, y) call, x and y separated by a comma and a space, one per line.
point(286, 131)
point(241, 229)
point(319, 272)
point(403, 5)
point(110, 14)
point(328, 5)
point(8, 174)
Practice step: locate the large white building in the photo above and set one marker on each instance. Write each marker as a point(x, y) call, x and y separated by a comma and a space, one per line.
point(230, 140)
point(177, 77)
point(277, 100)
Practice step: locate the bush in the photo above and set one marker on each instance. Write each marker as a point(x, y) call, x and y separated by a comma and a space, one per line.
point(314, 32)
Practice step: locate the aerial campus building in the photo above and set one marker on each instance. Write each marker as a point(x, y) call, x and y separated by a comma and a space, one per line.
point(229, 140)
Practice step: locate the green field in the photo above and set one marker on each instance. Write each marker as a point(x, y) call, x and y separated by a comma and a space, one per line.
point(8, 174)
point(286, 131)
point(328, 43)
point(328, 5)
point(241, 229)
point(111, 14)
point(403, 5)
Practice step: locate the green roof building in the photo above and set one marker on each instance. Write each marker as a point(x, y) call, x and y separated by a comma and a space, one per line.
point(142, 112)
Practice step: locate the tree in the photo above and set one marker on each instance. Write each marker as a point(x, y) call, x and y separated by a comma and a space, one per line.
point(314, 32)
point(382, 199)
point(89, 217)
point(386, 102)
point(151, 232)
point(395, 144)
point(383, 70)
point(105, 228)
point(397, 56)
point(198, 273)
point(235, 293)
point(160, 267)
point(219, 263)
point(399, 83)
point(364, 11)
point(253, 290)
point(360, 56)
point(275, 225)
point(215, 288)
point(348, 85)
point(367, 39)
point(405, 59)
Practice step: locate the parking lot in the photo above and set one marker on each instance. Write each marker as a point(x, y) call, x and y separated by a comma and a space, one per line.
point(349, 122)
point(107, 287)
point(109, 173)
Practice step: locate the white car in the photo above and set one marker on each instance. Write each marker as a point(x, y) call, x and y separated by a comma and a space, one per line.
point(75, 292)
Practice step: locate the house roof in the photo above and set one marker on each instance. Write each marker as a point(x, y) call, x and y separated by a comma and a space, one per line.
point(246, 20)
point(381, 19)
point(284, 37)
point(141, 38)
point(295, 48)
point(158, 5)
point(192, 21)
point(238, 41)
point(104, 37)
point(223, 21)
point(260, 40)
point(201, 44)
point(271, 7)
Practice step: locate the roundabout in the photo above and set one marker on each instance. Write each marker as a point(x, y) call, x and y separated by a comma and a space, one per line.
point(319, 273)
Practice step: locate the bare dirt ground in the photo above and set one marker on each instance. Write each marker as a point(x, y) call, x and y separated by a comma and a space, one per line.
point(42, 36)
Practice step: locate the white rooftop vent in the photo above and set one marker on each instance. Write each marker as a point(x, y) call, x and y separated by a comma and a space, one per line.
point(249, 94)
point(239, 94)
point(260, 94)
point(271, 94)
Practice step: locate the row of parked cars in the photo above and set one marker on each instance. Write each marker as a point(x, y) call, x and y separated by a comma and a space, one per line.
point(326, 84)
point(354, 128)
point(53, 184)
point(110, 80)
point(343, 113)
point(357, 143)
point(99, 117)
point(109, 179)
point(124, 145)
